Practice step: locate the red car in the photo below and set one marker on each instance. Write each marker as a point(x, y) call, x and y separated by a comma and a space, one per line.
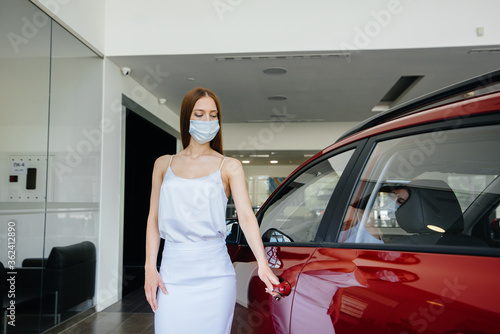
point(392, 229)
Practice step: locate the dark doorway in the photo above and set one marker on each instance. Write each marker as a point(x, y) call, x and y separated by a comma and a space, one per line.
point(144, 143)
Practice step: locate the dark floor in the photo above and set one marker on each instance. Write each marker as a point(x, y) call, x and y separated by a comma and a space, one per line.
point(131, 315)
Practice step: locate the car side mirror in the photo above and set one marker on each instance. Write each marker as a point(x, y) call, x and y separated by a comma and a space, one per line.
point(233, 232)
point(274, 235)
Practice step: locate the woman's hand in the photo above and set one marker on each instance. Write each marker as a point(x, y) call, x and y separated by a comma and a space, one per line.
point(267, 276)
point(290, 274)
point(152, 282)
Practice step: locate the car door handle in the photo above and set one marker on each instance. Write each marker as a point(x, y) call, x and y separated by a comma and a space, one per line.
point(283, 289)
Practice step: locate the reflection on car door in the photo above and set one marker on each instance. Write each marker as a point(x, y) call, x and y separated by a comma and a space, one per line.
point(319, 292)
point(256, 317)
point(369, 291)
point(335, 292)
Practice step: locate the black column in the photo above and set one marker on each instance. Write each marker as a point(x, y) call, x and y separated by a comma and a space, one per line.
point(144, 143)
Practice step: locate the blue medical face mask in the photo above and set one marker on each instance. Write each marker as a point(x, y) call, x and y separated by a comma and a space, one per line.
point(203, 131)
point(391, 207)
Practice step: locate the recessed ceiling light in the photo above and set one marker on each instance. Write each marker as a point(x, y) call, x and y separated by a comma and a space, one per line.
point(277, 98)
point(275, 70)
point(246, 161)
point(274, 161)
point(191, 79)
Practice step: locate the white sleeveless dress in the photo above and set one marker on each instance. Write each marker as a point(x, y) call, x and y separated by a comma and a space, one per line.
point(195, 267)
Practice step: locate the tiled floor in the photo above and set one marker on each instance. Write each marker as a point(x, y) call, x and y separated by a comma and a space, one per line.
point(131, 315)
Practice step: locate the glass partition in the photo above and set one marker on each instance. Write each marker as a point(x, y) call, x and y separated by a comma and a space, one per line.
point(50, 146)
point(24, 112)
point(73, 180)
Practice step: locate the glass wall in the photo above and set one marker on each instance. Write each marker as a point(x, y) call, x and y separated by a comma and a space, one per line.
point(50, 147)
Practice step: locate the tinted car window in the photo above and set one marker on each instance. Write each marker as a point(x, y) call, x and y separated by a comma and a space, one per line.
point(295, 215)
point(437, 188)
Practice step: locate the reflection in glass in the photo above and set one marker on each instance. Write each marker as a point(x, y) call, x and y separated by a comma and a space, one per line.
point(50, 148)
point(24, 96)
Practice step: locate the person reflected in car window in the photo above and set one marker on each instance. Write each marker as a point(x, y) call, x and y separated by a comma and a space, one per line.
point(397, 195)
point(363, 229)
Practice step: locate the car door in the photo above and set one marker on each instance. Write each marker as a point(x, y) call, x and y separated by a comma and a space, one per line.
point(291, 225)
point(428, 265)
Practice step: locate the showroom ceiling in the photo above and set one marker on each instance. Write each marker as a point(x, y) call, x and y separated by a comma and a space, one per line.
point(308, 86)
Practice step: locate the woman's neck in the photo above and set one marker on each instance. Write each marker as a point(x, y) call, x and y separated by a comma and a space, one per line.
point(195, 150)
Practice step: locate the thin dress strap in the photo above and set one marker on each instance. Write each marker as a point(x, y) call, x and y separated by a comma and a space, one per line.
point(222, 163)
point(171, 157)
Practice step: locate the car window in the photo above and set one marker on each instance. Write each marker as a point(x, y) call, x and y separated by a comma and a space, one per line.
point(295, 215)
point(434, 188)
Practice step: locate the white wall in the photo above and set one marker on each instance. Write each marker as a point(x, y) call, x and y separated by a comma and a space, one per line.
point(129, 27)
point(152, 27)
point(85, 19)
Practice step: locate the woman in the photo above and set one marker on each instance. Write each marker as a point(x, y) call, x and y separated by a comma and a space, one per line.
point(197, 282)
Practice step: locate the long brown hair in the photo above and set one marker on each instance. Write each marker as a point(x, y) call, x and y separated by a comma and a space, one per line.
point(186, 110)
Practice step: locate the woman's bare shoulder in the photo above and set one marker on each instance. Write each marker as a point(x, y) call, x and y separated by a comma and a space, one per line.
point(232, 166)
point(232, 161)
point(161, 163)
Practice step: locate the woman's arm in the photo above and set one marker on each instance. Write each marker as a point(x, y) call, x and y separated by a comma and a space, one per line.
point(247, 220)
point(152, 277)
